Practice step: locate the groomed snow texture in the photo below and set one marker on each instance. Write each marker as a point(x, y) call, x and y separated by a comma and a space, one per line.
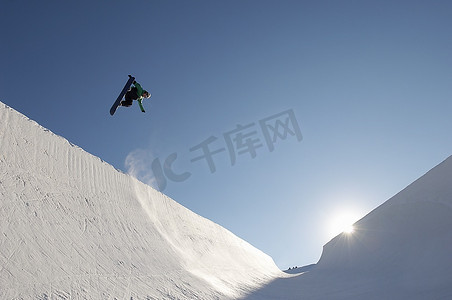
point(73, 227)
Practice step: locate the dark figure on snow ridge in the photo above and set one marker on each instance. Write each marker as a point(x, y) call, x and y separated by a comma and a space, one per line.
point(135, 93)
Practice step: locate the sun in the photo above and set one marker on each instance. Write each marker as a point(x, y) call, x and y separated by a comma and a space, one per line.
point(349, 229)
point(342, 222)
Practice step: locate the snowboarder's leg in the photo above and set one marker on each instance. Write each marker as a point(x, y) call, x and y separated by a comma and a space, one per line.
point(128, 100)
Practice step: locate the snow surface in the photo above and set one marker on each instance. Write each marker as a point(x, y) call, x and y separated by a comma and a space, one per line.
point(73, 227)
point(401, 250)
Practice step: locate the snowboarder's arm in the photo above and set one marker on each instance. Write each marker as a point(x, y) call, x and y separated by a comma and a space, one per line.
point(139, 92)
point(141, 105)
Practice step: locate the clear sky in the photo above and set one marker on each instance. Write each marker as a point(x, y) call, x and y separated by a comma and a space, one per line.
point(366, 83)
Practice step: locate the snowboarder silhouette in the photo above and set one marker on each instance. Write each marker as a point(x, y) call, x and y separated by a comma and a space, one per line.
point(135, 93)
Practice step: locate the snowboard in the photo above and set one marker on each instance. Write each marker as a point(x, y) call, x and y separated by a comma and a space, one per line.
point(121, 95)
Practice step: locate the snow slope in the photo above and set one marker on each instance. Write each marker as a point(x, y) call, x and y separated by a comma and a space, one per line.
point(73, 227)
point(401, 250)
point(406, 243)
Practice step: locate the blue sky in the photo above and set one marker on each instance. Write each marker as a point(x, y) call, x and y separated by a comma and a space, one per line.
point(368, 83)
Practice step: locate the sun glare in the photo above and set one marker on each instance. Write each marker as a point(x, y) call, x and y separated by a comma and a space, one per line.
point(342, 222)
point(349, 229)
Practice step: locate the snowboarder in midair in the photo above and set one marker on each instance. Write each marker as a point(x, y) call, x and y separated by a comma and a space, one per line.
point(135, 93)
